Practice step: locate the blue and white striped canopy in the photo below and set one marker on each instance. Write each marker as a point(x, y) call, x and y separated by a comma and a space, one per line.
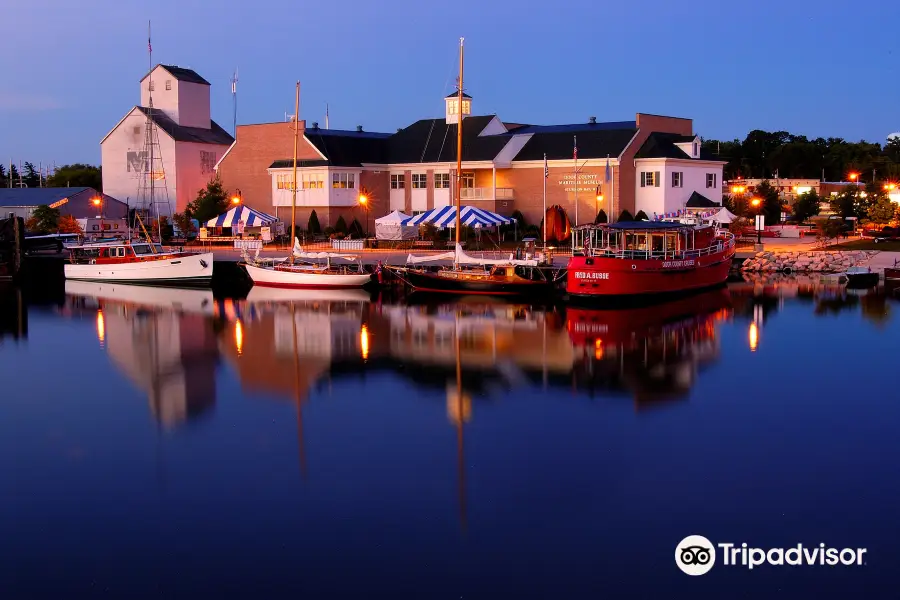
point(445, 216)
point(250, 217)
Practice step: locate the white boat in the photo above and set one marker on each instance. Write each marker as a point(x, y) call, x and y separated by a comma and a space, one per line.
point(195, 301)
point(138, 263)
point(284, 273)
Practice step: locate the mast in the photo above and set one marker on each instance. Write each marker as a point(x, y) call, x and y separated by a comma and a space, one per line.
point(294, 177)
point(459, 123)
point(150, 129)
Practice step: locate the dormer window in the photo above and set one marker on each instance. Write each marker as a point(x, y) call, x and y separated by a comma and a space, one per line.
point(696, 150)
point(168, 84)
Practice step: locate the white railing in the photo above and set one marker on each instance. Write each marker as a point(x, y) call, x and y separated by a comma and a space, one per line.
point(485, 193)
point(720, 246)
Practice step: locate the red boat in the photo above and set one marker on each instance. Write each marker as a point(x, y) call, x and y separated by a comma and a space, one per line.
point(647, 258)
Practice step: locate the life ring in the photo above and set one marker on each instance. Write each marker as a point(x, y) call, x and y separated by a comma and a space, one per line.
point(788, 270)
point(93, 262)
point(633, 267)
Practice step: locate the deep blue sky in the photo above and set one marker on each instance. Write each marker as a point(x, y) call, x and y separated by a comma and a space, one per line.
point(70, 71)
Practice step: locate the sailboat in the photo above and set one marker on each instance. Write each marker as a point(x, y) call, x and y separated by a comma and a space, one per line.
point(469, 274)
point(316, 269)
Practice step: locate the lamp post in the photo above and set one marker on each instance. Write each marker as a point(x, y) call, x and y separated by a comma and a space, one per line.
point(98, 202)
point(757, 203)
point(364, 202)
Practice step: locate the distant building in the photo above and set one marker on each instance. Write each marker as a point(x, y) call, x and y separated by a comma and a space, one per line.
point(655, 164)
point(77, 202)
point(190, 143)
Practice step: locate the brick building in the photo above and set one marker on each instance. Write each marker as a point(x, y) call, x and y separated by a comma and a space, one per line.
point(653, 163)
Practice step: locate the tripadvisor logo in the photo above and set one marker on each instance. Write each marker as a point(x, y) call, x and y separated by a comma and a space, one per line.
point(696, 555)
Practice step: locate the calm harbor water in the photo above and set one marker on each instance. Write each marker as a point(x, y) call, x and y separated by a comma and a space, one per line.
point(168, 444)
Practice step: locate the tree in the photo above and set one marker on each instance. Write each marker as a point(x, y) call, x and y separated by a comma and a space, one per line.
point(341, 225)
point(313, 226)
point(31, 176)
point(68, 224)
point(77, 175)
point(356, 230)
point(772, 206)
point(641, 216)
point(44, 220)
point(184, 223)
point(162, 227)
point(5, 177)
point(601, 217)
point(211, 201)
point(882, 211)
point(848, 203)
point(625, 216)
point(806, 206)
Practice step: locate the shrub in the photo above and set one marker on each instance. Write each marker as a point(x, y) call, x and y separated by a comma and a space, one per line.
point(625, 216)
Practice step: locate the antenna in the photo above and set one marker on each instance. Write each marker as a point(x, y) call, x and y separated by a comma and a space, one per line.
point(234, 80)
point(326, 116)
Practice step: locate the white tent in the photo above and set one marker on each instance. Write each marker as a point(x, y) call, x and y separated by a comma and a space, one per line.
point(723, 216)
point(391, 227)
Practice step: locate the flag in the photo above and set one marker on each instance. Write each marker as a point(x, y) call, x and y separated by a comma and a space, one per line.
point(608, 173)
point(575, 147)
point(546, 168)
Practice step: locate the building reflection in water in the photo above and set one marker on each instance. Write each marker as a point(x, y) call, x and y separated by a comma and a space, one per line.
point(13, 314)
point(163, 340)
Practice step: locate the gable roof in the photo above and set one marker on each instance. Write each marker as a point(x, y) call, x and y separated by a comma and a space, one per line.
point(662, 145)
point(434, 140)
point(38, 196)
point(559, 145)
point(456, 95)
point(180, 133)
point(343, 148)
point(180, 73)
point(698, 200)
point(577, 127)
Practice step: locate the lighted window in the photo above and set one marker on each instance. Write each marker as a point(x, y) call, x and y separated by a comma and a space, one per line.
point(710, 180)
point(398, 181)
point(343, 181)
point(419, 181)
point(453, 107)
point(442, 180)
point(467, 107)
point(677, 179)
point(467, 181)
point(649, 178)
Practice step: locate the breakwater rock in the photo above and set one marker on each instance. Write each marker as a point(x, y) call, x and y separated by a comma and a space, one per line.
point(807, 262)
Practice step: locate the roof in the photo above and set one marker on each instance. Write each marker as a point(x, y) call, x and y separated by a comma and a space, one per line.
point(289, 162)
point(37, 196)
point(662, 145)
point(577, 127)
point(559, 145)
point(456, 95)
point(180, 133)
point(181, 74)
point(434, 140)
point(698, 200)
point(347, 148)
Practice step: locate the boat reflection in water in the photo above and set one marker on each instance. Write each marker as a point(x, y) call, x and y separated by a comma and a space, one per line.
point(13, 314)
point(162, 339)
point(653, 351)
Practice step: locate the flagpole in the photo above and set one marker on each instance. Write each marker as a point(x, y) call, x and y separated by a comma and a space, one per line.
point(544, 218)
point(575, 160)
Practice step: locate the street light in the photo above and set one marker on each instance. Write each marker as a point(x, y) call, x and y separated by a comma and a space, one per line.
point(854, 177)
point(236, 199)
point(364, 202)
point(757, 203)
point(98, 202)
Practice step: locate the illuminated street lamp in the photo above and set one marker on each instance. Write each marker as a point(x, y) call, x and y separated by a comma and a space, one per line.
point(236, 199)
point(854, 177)
point(98, 202)
point(364, 202)
point(890, 186)
point(757, 203)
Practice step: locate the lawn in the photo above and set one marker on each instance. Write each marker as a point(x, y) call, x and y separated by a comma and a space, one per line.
point(866, 244)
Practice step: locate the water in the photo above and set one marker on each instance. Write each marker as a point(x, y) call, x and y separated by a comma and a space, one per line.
point(166, 444)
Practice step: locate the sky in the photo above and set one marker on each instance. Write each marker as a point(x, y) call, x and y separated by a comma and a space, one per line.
point(817, 68)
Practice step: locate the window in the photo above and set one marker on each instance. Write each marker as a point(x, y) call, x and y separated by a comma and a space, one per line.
point(95, 227)
point(150, 86)
point(649, 178)
point(442, 180)
point(168, 84)
point(283, 181)
point(710, 180)
point(677, 179)
point(398, 181)
point(696, 149)
point(467, 181)
point(313, 181)
point(137, 130)
point(416, 213)
point(343, 181)
point(419, 181)
point(453, 107)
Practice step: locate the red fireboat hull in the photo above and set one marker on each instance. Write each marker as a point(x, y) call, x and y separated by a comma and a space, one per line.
point(601, 277)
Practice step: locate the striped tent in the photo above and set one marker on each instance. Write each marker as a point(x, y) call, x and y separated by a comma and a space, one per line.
point(445, 216)
point(250, 217)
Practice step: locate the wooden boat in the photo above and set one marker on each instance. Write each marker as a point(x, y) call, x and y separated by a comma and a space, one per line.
point(892, 273)
point(648, 258)
point(138, 262)
point(861, 277)
point(285, 273)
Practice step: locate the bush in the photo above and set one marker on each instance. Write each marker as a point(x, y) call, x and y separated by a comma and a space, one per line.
point(641, 216)
point(601, 217)
point(356, 229)
point(625, 216)
point(328, 231)
point(341, 225)
point(313, 226)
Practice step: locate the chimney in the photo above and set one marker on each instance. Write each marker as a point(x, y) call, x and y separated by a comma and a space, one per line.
point(359, 128)
point(593, 120)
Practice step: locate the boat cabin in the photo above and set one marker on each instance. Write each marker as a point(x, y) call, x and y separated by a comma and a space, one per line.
point(111, 253)
point(646, 240)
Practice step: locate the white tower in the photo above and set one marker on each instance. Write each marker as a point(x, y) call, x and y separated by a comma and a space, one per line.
point(451, 103)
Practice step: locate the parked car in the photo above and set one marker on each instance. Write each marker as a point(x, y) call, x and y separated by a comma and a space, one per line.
point(888, 234)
